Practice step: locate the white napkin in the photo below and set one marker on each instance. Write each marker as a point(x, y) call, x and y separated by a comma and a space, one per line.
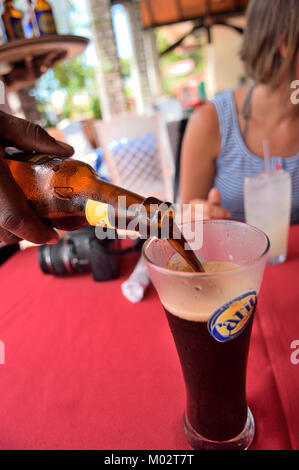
point(134, 288)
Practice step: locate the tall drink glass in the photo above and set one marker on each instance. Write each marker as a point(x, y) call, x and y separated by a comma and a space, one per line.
point(210, 315)
point(267, 199)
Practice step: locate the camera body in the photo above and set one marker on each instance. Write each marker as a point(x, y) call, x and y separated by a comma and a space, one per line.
point(81, 252)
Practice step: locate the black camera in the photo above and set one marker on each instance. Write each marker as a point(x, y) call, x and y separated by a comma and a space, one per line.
point(81, 252)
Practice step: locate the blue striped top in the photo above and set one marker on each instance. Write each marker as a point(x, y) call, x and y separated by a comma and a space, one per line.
point(236, 161)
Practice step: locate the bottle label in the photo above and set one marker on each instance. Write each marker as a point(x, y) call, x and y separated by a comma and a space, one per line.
point(39, 159)
point(97, 214)
point(36, 158)
point(229, 321)
point(45, 22)
point(17, 28)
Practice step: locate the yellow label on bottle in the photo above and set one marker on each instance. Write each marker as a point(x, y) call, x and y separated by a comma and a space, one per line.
point(36, 158)
point(39, 158)
point(17, 28)
point(97, 214)
point(46, 22)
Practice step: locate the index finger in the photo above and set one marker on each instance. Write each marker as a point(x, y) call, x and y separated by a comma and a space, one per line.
point(42, 63)
point(214, 197)
point(53, 58)
point(28, 61)
point(25, 135)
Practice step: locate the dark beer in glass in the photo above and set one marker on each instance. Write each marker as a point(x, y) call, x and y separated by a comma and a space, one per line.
point(210, 316)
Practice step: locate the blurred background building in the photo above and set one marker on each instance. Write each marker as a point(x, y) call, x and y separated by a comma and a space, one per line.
point(143, 55)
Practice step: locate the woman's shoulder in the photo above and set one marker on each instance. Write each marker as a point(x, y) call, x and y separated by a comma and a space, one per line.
point(227, 98)
point(209, 120)
point(212, 123)
point(212, 109)
point(203, 130)
point(205, 117)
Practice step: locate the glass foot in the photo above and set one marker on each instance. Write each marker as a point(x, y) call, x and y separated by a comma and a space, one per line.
point(241, 442)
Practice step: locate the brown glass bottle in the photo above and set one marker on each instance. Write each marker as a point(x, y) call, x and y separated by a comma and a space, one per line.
point(13, 21)
point(45, 18)
point(68, 195)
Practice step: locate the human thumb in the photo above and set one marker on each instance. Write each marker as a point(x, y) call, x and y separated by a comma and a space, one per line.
point(214, 197)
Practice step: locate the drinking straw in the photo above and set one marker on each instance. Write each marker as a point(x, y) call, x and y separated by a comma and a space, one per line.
point(267, 156)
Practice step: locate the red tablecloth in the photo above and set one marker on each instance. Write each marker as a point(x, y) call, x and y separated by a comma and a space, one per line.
point(85, 369)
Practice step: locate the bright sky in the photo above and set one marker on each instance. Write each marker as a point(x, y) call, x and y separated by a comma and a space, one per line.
point(81, 20)
point(80, 23)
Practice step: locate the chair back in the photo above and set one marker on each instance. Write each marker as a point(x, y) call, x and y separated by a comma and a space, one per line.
point(138, 154)
point(74, 134)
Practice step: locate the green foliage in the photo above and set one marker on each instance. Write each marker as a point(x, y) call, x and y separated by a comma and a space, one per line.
point(73, 75)
point(125, 66)
point(175, 56)
point(73, 78)
point(96, 108)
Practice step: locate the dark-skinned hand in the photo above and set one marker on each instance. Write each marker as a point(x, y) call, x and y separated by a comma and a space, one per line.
point(25, 73)
point(17, 220)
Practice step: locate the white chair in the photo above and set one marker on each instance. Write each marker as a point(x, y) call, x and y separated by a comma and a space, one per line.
point(138, 154)
point(73, 134)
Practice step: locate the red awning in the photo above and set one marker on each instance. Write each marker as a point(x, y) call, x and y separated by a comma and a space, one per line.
point(158, 13)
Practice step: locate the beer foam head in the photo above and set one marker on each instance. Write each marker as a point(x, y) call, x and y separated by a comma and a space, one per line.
point(197, 297)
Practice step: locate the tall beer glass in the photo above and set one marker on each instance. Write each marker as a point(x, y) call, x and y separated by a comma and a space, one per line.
point(210, 315)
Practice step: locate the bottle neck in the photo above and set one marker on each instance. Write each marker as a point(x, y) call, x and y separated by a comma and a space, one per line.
point(114, 207)
point(113, 195)
point(42, 5)
point(8, 5)
point(9, 8)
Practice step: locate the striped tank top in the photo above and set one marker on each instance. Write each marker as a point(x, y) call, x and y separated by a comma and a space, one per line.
point(236, 161)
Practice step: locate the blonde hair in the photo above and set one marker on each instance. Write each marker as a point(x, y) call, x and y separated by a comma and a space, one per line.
point(269, 24)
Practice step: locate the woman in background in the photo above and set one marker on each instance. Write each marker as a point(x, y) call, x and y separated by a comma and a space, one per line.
point(224, 139)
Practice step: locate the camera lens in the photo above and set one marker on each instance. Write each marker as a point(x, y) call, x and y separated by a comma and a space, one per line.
point(80, 252)
point(58, 259)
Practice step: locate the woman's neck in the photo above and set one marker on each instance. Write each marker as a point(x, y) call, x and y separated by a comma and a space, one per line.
point(275, 105)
